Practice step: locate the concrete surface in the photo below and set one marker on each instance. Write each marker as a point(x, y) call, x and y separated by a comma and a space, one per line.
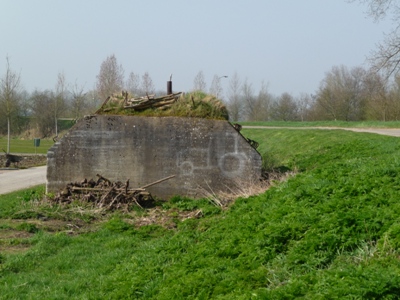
point(13, 180)
point(201, 153)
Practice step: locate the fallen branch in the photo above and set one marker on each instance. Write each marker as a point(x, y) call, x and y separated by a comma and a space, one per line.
point(103, 178)
point(158, 181)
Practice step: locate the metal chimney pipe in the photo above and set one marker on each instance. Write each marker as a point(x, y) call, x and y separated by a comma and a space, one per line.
point(169, 86)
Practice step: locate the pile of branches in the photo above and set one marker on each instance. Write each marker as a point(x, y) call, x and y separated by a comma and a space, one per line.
point(142, 103)
point(138, 104)
point(105, 194)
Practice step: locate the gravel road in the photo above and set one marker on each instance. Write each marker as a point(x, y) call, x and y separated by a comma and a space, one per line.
point(13, 180)
point(383, 131)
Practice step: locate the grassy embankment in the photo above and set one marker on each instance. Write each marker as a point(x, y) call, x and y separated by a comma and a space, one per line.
point(331, 231)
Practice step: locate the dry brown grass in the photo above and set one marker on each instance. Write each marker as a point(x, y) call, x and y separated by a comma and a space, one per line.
point(243, 188)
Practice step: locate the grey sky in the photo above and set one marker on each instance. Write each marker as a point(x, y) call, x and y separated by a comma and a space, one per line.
point(287, 44)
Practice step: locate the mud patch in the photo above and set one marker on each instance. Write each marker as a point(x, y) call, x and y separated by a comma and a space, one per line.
point(28, 161)
point(6, 234)
point(14, 249)
point(14, 241)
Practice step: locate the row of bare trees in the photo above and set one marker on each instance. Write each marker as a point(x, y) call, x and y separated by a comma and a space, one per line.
point(111, 80)
point(40, 111)
point(9, 99)
point(344, 94)
point(354, 94)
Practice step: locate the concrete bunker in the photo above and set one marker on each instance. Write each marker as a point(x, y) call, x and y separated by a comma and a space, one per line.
point(201, 153)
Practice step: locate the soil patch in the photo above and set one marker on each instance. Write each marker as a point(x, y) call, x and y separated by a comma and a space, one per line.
point(14, 241)
point(28, 161)
point(166, 218)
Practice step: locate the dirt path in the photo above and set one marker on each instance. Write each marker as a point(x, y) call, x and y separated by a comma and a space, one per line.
point(13, 180)
point(382, 131)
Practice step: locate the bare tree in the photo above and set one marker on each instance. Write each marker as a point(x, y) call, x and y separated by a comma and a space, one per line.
point(199, 83)
point(133, 84)
point(147, 85)
point(235, 104)
point(378, 100)
point(304, 105)
point(9, 98)
point(256, 108)
point(263, 104)
point(341, 94)
point(285, 108)
point(59, 99)
point(387, 55)
point(78, 103)
point(43, 117)
point(379, 9)
point(249, 102)
point(93, 101)
point(110, 78)
point(393, 101)
point(216, 88)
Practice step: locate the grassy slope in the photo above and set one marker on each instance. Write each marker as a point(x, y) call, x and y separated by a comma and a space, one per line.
point(332, 231)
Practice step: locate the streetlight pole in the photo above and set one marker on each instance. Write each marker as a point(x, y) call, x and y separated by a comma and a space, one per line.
point(219, 84)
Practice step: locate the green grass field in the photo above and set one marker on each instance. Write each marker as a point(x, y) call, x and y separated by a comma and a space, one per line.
point(18, 145)
point(332, 231)
point(26, 146)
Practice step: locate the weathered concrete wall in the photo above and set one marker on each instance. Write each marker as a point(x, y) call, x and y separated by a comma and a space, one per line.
point(200, 152)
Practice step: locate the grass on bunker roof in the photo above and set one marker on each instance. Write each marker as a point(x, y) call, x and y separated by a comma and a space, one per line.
point(195, 104)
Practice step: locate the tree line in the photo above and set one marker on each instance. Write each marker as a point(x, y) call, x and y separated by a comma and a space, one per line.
point(347, 94)
point(39, 112)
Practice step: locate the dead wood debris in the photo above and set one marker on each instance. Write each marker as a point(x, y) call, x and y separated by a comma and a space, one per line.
point(141, 103)
point(106, 194)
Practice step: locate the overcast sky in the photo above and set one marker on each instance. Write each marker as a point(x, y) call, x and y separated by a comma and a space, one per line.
point(287, 44)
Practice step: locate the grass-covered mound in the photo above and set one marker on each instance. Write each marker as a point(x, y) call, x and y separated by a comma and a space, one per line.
point(194, 104)
point(330, 232)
